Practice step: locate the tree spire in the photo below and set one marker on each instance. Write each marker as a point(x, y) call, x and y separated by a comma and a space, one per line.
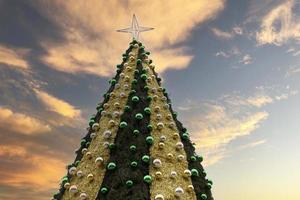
point(135, 29)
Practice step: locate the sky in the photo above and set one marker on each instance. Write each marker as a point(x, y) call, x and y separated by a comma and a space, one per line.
point(231, 68)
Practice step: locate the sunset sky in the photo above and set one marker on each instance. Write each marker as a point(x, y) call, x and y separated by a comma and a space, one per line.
point(232, 69)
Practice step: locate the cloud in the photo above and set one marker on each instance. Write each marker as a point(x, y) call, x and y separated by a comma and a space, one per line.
point(223, 54)
point(14, 57)
point(215, 124)
point(227, 54)
point(241, 58)
point(279, 25)
point(21, 169)
point(293, 70)
point(176, 58)
point(246, 60)
point(57, 105)
point(222, 34)
point(91, 45)
point(290, 50)
point(237, 30)
point(213, 131)
point(297, 53)
point(257, 100)
point(21, 123)
point(253, 144)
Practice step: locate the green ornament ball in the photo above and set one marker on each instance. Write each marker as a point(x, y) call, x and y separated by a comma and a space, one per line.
point(132, 148)
point(149, 127)
point(104, 190)
point(113, 81)
point(175, 114)
point(147, 179)
point(139, 116)
point(111, 166)
point(203, 196)
point(147, 110)
point(91, 122)
point(64, 180)
point(149, 98)
point(149, 140)
point(195, 172)
point(185, 136)
point(127, 108)
point(145, 158)
point(132, 91)
point(112, 146)
point(123, 124)
point(135, 99)
point(144, 76)
point(135, 132)
point(134, 81)
point(199, 158)
point(134, 164)
point(82, 142)
point(193, 158)
point(210, 181)
point(77, 163)
point(129, 183)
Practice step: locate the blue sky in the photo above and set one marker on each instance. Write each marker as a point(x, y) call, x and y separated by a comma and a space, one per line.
point(231, 68)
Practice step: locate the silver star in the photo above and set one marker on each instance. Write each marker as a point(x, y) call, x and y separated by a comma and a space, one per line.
point(135, 29)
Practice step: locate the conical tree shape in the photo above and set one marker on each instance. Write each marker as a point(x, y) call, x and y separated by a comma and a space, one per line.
point(135, 148)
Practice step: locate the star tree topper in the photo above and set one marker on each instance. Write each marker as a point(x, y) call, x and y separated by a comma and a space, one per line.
point(135, 29)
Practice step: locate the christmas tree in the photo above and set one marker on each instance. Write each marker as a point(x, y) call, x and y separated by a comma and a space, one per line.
point(135, 148)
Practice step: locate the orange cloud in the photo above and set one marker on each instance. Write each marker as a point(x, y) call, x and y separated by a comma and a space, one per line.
point(257, 100)
point(93, 46)
point(174, 57)
point(21, 123)
point(211, 137)
point(37, 171)
point(289, 25)
point(57, 105)
point(214, 125)
point(14, 57)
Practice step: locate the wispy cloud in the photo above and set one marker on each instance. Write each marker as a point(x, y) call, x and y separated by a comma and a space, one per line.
point(14, 57)
point(279, 25)
point(293, 70)
point(215, 124)
point(290, 50)
point(21, 123)
point(257, 100)
point(253, 144)
point(297, 53)
point(240, 57)
point(90, 38)
point(222, 34)
point(237, 30)
point(57, 105)
point(227, 54)
point(246, 60)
